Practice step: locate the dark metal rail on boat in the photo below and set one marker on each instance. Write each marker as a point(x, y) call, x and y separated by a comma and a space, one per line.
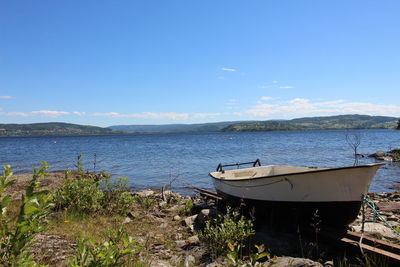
point(220, 166)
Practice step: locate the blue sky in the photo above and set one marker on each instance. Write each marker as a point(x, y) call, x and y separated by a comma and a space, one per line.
point(157, 62)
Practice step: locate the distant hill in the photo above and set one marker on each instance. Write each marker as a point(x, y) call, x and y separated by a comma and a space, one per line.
point(51, 128)
point(317, 123)
point(174, 128)
point(311, 123)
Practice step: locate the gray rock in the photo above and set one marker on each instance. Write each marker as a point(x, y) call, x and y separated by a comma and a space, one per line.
point(189, 261)
point(172, 209)
point(160, 263)
point(145, 193)
point(163, 225)
point(177, 218)
point(193, 240)
point(127, 220)
point(207, 214)
point(377, 228)
point(295, 262)
point(189, 221)
point(162, 204)
point(180, 243)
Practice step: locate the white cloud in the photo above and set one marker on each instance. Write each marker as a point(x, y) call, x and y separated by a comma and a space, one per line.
point(228, 69)
point(300, 107)
point(5, 97)
point(274, 85)
point(145, 115)
point(49, 113)
point(79, 113)
point(298, 101)
point(205, 115)
point(266, 98)
point(41, 113)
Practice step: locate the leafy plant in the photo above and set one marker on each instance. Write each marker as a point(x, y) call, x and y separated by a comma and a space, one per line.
point(80, 194)
point(15, 235)
point(146, 203)
point(187, 208)
point(253, 259)
point(116, 199)
point(226, 229)
point(90, 193)
point(109, 254)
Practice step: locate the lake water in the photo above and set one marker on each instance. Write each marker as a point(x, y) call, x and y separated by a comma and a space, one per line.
point(151, 160)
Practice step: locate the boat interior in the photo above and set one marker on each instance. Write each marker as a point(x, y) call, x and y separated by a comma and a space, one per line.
point(263, 171)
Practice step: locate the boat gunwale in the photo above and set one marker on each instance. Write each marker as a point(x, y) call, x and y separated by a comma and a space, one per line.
point(295, 173)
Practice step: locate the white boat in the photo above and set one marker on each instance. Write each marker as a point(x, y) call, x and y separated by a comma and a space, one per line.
point(336, 193)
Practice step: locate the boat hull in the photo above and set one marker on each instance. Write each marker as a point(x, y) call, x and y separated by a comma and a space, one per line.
point(336, 193)
point(334, 213)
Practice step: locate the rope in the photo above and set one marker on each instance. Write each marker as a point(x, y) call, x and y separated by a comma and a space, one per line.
point(377, 214)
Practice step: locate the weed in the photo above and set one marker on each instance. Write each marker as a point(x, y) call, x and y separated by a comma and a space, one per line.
point(89, 193)
point(113, 252)
point(253, 259)
point(185, 210)
point(147, 203)
point(15, 235)
point(229, 228)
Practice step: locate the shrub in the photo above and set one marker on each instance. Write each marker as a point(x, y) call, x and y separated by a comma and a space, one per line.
point(147, 203)
point(117, 199)
point(16, 234)
point(80, 194)
point(186, 209)
point(90, 193)
point(110, 253)
point(226, 229)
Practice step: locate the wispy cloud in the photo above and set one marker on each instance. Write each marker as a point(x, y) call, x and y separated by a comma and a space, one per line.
point(145, 115)
point(266, 98)
point(41, 113)
point(228, 69)
point(5, 97)
point(298, 107)
point(206, 115)
point(232, 102)
point(275, 85)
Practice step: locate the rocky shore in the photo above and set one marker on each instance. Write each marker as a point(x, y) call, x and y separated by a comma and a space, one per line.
point(391, 155)
point(166, 227)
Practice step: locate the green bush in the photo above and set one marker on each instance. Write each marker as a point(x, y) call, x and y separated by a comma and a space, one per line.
point(116, 199)
point(80, 194)
point(227, 230)
point(15, 234)
point(90, 193)
point(113, 252)
point(185, 210)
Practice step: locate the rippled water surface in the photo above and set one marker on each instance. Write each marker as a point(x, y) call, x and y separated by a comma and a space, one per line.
point(152, 160)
